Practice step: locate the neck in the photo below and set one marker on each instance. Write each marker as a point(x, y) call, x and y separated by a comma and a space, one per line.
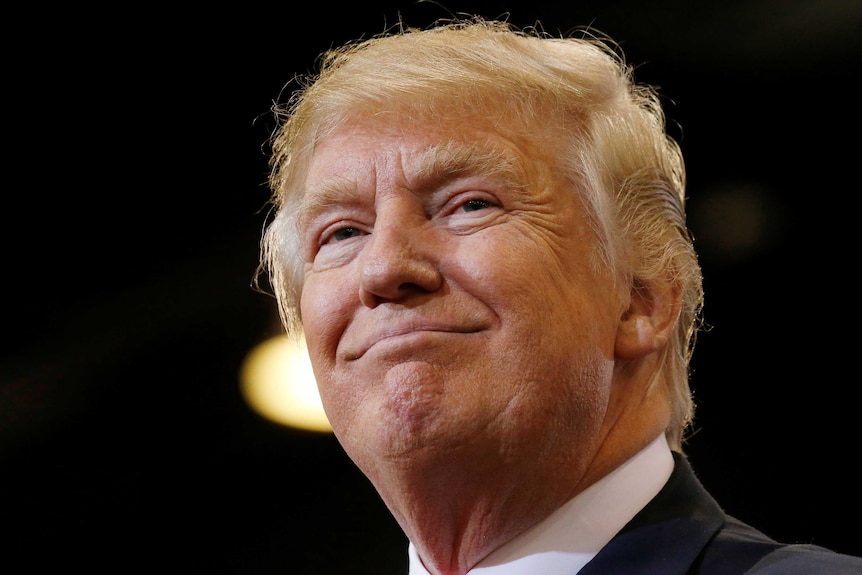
point(455, 514)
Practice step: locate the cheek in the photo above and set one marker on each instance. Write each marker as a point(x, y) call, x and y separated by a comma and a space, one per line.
point(510, 277)
point(546, 293)
point(324, 319)
point(324, 305)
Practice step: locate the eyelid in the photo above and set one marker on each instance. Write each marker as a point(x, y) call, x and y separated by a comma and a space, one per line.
point(327, 233)
point(319, 228)
point(458, 200)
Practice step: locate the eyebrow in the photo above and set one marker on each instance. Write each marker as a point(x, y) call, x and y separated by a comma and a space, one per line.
point(331, 193)
point(452, 160)
point(435, 166)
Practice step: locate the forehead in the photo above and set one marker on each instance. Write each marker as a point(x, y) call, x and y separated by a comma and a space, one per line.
point(411, 151)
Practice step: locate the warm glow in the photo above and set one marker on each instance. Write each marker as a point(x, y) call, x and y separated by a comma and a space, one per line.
point(278, 383)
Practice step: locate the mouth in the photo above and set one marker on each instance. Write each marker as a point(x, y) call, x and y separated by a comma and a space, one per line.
point(406, 336)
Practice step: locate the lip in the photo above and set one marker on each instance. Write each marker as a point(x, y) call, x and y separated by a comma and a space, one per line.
point(404, 331)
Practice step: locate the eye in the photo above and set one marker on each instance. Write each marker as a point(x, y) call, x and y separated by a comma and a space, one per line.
point(345, 233)
point(470, 211)
point(341, 234)
point(475, 205)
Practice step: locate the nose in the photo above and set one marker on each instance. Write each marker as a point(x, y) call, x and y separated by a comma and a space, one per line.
point(399, 260)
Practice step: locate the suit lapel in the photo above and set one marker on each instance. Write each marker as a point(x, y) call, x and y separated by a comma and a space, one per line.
point(666, 536)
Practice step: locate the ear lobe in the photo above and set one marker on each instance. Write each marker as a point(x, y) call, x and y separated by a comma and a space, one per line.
point(651, 317)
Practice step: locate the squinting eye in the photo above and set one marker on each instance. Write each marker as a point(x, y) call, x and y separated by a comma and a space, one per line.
point(342, 234)
point(473, 205)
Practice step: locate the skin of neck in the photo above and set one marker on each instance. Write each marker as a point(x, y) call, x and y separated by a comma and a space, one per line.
point(456, 508)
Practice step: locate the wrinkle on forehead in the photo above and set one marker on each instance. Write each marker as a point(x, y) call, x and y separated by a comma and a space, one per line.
point(428, 166)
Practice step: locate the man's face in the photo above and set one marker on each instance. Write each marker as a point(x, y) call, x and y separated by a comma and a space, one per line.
point(452, 303)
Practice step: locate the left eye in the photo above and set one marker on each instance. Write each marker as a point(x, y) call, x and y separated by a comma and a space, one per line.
point(475, 204)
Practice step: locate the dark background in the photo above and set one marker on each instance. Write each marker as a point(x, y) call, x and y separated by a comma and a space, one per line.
point(135, 197)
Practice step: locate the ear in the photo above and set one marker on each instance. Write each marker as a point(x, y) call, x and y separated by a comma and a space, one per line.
point(649, 321)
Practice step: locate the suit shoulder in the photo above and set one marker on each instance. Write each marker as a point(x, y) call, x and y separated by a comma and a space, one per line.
point(807, 560)
point(740, 548)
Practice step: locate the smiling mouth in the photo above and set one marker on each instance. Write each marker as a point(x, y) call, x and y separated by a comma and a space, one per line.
point(415, 338)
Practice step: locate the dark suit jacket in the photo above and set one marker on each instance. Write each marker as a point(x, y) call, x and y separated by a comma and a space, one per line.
point(683, 531)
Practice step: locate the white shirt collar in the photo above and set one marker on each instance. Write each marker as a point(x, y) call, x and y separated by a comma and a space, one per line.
point(571, 536)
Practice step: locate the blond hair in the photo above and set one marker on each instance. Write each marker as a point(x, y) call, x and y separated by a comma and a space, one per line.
point(578, 92)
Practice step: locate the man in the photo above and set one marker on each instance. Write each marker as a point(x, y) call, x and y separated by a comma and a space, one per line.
point(481, 233)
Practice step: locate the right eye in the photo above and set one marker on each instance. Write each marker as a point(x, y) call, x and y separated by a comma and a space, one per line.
point(341, 234)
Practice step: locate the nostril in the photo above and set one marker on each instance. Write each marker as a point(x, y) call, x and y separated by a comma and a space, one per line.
point(396, 271)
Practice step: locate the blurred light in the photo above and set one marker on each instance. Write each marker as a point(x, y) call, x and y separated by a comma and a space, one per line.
point(278, 383)
point(736, 221)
